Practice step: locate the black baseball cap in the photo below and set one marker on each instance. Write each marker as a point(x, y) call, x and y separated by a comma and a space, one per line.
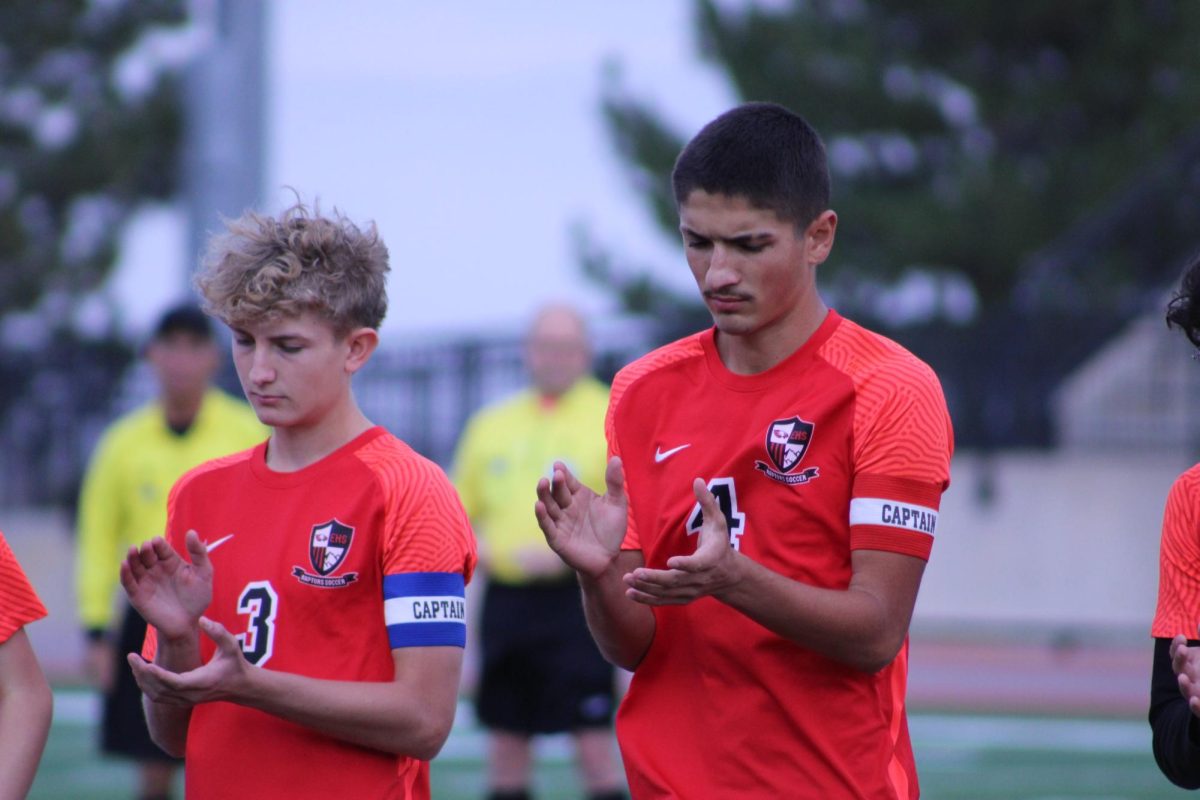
point(183, 318)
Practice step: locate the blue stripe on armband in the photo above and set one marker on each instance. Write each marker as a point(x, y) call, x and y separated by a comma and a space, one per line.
point(425, 609)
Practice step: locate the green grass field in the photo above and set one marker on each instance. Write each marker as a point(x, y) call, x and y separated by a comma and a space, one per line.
point(960, 757)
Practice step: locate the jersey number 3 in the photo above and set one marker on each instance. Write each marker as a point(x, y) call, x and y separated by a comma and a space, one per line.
point(259, 601)
point(726, 494)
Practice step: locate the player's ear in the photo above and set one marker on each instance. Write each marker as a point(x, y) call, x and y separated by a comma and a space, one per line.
point(360, 344)
point(819, 235)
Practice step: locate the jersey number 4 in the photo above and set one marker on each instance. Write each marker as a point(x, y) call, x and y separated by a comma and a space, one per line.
point(726, 494)
point(259, 601)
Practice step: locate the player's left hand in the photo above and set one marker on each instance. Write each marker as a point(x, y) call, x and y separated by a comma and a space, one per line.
point(220, 679)
point(713, 568)
point(1186, 663)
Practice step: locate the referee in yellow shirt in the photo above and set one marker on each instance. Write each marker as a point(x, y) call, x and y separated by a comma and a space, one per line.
point(540, 671)
point(124, 502)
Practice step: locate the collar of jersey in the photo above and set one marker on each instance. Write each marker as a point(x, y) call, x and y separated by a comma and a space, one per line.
point(317, 470)
point(767, 378)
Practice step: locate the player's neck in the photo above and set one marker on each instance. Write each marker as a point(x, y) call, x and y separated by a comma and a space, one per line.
point(181, 411)
point(295, 447)
point(752, 353)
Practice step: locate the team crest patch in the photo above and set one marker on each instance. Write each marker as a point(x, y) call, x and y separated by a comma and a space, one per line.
point(787, 442)
point(328, 544)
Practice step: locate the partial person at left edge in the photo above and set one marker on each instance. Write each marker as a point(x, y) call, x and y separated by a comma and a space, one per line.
point(124, 502)
point(25, 699)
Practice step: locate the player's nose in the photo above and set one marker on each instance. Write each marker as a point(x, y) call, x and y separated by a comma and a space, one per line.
point(261, 369)
point(722, 269)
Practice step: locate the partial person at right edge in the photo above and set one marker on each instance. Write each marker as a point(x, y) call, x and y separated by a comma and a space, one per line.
point(771, 503)
point(1175, 678)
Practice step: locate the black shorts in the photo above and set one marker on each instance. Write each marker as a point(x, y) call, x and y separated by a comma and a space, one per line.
point(541, 671)
point(123, 729)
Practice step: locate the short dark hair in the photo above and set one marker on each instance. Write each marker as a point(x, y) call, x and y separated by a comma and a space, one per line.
point(1183, 311)
point(183, 318)
point(760, 151)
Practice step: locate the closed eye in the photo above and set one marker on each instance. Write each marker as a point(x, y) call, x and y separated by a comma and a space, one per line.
point(750, 244)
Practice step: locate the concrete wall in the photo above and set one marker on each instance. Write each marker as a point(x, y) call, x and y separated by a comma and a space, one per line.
point(1136, 393)
point(1062, 541)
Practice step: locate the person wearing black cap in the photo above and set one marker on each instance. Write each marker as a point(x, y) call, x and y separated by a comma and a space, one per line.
point(124, 502)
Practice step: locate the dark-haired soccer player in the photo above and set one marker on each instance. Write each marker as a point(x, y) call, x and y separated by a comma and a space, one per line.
point(771, 503)
point(310, 643)
point(1175, 682)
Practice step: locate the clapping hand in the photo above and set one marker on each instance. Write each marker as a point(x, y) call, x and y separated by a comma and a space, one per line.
point(709, 570)
point(584, 528)
point(166, 590)
point(219, 679)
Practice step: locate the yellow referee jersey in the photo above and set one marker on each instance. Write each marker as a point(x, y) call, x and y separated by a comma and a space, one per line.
point(507, 447)
point(124, 497)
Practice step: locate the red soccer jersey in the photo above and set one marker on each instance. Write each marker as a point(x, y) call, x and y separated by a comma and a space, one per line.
point(844, 445)
point(323, 572)
point(1178, 609)
point(19, 604)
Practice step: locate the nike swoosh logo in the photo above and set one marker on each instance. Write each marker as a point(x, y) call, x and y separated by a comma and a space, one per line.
point(661, 455)
point(210, 546)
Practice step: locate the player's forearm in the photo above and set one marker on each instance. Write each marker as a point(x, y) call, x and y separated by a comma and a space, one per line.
point(1175, 749)
point(26, 704)
point(855, 627)
point(623, 629)
point(1175, 740)
point(168, 724)
point(24, 725)
point(407, 716)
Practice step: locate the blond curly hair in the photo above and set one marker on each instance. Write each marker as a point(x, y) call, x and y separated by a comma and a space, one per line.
point(263, 268)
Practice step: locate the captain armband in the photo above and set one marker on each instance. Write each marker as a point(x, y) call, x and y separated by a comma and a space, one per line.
point(425, 609)
point(878, 511)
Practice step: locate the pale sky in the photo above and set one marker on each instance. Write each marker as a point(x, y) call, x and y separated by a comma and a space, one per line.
point(470, 132)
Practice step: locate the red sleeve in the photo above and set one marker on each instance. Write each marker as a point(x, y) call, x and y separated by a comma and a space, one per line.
point(19, 604)
point(902, 447)
point(426, 528)
point(1178, 610)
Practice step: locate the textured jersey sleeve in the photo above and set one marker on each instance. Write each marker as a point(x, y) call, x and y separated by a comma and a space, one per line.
point(19, 604)
point(902, 448)
point(429, 556)
point(1178, 610)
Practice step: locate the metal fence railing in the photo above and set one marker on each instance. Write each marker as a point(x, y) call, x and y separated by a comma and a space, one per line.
point(54, 404)
point(1003, 378)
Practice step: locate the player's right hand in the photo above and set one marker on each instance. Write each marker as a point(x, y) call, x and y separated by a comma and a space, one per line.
point(167, 591)
point(584, 528)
